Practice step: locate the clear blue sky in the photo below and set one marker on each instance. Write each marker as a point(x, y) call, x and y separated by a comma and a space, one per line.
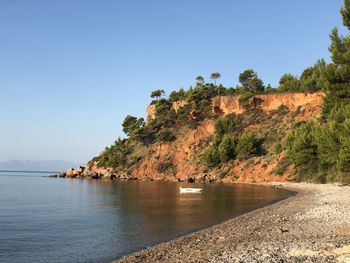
point(70, 70)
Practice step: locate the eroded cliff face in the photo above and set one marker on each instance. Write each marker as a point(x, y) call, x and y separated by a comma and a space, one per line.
point(180, 160)
point(269, 102)
point(230, 104)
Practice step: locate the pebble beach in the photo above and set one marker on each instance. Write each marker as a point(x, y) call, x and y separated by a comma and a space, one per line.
point(311, 226)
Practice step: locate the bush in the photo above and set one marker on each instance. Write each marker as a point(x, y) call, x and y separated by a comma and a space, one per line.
point(281, 166)
point(248, 146)
point(277, 148)
point(166, 136)
point(282, 109)
point(244, 99)
point(297, 112)
point(166, 167)
point(288, 82)
point(226, 125)
point(165, 116)
point(222, 150)
point(116, 155)
point(227, 149)
point(211, 156)
point(177, 95)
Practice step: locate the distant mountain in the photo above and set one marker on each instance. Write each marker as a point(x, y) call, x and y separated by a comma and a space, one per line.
point(26, 165)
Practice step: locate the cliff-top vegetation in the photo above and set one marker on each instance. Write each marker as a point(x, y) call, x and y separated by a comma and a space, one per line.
point(318, 149)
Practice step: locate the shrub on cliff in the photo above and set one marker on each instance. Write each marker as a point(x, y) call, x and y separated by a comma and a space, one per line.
point(177, 95)
point(244, 99)
point(222, 150)
point(211, 156)
point(277, 148)
point(248, 146)
point(165, 115)
point(166, 136)
point(227, 124)
point(166, 167)
point(227, 148)
point(132, 126)
point(116, 155)
point(281, 166)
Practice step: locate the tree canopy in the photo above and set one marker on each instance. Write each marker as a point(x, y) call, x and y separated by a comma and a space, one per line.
point(200, 80)
point(214, 76)
point(338, 73)
point(250, 81)
point(157, 94)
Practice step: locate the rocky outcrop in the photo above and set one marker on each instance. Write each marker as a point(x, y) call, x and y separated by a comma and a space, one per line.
point(180, 160)
point(151, 112)
point(151, 109)
point(92, 171)
point(268, 102)
point(178, 156)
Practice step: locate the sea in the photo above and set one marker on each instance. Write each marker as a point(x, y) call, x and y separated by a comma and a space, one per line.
point(60, 220)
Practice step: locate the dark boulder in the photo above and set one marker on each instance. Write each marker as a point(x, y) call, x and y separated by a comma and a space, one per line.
point(191, 180)
point(95, 176)
point(62, 175)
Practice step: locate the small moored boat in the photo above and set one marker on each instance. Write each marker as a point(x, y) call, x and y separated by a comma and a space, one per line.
point(190, 190)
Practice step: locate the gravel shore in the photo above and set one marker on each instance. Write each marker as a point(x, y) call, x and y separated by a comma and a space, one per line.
point(312, 226)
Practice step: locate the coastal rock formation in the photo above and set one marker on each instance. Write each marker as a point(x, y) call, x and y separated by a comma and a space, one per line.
point(151, 109)
point(270, 115)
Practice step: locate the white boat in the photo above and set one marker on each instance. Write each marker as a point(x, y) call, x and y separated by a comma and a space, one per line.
point(190, 190)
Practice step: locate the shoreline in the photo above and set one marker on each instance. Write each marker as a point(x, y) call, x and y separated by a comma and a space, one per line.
point(312, 225)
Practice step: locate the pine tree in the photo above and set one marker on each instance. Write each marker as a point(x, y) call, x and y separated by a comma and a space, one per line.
point(339, 72)
point(227, 148)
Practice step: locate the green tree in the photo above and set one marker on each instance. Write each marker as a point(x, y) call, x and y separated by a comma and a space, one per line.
point(212, 156)
point(250, 81)
point(302, 149)
point(226, 148)
point(339, 72)
point(315, 78)
point(116, 155)
point(200, 80)
point(288, 82)
point(177, 95)
point(214, 76)
point(133, 126)
point(269, 89)
point(166, 136)
point(165, 115)
point(248, 146)
point(343, 162)
point(157, 94)
point(228, 124)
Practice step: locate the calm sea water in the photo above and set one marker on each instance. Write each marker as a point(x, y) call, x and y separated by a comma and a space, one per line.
point(63, 220)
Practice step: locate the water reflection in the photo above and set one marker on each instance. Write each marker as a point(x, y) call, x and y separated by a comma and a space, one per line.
point(157, 211)
point(97, 221)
